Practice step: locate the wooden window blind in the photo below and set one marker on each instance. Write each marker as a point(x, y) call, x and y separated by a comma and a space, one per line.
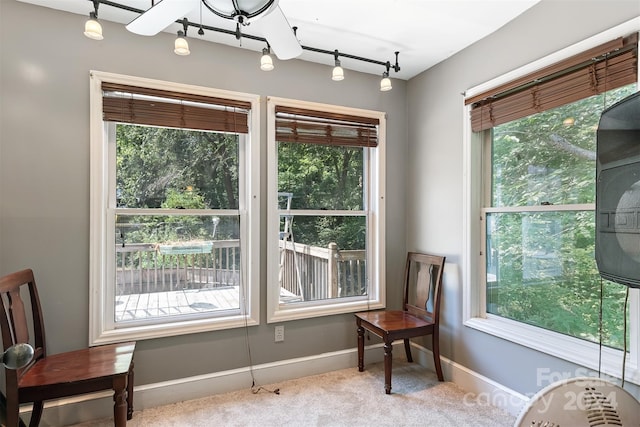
point(157, 107)
point(602, 68)
point(327, 128)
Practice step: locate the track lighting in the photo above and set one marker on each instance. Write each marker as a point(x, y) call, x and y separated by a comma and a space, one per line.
point(338, 72)
point(266, 62)
point(385, 83)
point(92, 27)
point(181, 45)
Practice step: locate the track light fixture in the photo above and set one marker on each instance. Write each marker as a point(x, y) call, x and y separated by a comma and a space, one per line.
point(266, 62)
point(385, 83)
point(338, 72)
point(92, 27)
point(181, 45)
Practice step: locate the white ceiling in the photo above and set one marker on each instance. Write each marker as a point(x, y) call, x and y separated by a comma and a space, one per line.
point(425, 32)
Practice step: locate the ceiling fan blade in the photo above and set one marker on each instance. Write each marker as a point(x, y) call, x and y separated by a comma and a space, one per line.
point(160, 16)
point(276, 29)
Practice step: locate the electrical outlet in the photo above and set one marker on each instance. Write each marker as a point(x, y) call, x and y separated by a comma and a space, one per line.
point(279, 333)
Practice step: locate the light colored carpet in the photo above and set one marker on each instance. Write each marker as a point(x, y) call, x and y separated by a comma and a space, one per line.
point(340, 398)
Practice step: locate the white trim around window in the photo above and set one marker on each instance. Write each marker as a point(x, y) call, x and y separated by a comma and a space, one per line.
point(102, 328)
point(375, 216)
point(578, 351)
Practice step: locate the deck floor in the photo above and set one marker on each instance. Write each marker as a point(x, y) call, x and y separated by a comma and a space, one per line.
point(181, 302)
point(172, 303)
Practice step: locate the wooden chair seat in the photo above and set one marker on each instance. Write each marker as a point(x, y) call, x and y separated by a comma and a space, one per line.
point(419, 315)
point(399, 324)
point(106, 367)
point(81, 371)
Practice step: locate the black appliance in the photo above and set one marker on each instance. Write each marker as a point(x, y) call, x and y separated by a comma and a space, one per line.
point(618, 192)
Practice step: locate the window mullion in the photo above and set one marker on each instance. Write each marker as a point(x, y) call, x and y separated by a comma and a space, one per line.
point(541, 208)
point(321, 212)
point(180, 212)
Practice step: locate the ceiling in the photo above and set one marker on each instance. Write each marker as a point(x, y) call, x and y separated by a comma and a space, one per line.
point(425, 32)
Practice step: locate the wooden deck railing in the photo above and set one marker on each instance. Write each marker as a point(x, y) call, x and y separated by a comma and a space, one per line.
point(308, 272)
point(312, 272)
point(143, 268)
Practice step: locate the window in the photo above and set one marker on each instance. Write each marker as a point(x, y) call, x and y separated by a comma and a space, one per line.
point(540, 224)
point(325, 209)
point(174, 224)
point(533, 156)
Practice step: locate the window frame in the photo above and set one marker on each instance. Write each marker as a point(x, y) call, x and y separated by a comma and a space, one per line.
point(102, 328)
point(375, 213)
point(475, 316)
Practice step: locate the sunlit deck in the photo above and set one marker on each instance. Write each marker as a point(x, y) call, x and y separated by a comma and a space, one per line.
point(186, 301)
point(151, 282)
point(181, 302)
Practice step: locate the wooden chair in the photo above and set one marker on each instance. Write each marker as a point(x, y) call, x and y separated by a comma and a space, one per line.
point(419, 315)
point(61, 375)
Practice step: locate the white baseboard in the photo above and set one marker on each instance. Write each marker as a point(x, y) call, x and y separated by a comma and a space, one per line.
point(99, 405)
point(481, 390)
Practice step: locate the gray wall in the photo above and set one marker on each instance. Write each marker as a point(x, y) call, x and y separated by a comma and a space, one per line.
point(44, 174)
point(44, 171)
point(435, 181)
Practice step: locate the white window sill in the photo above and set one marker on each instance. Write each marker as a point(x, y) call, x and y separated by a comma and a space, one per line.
point(142, 332)
point(302, 311)
point(581, 352)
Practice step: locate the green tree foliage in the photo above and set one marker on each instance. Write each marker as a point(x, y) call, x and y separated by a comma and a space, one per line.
point(543, 262)
point(322, 177)
point(151, 161)
point(175, 169)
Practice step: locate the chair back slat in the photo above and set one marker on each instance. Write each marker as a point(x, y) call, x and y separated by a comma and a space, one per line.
point(423, 280)
point(22, 314)
point(424, 287)
point(17, 316)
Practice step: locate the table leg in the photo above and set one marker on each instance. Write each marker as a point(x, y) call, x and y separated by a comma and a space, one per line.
point(120, 401)
point(388, 357)
point(130, 393)
point(360, 348)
